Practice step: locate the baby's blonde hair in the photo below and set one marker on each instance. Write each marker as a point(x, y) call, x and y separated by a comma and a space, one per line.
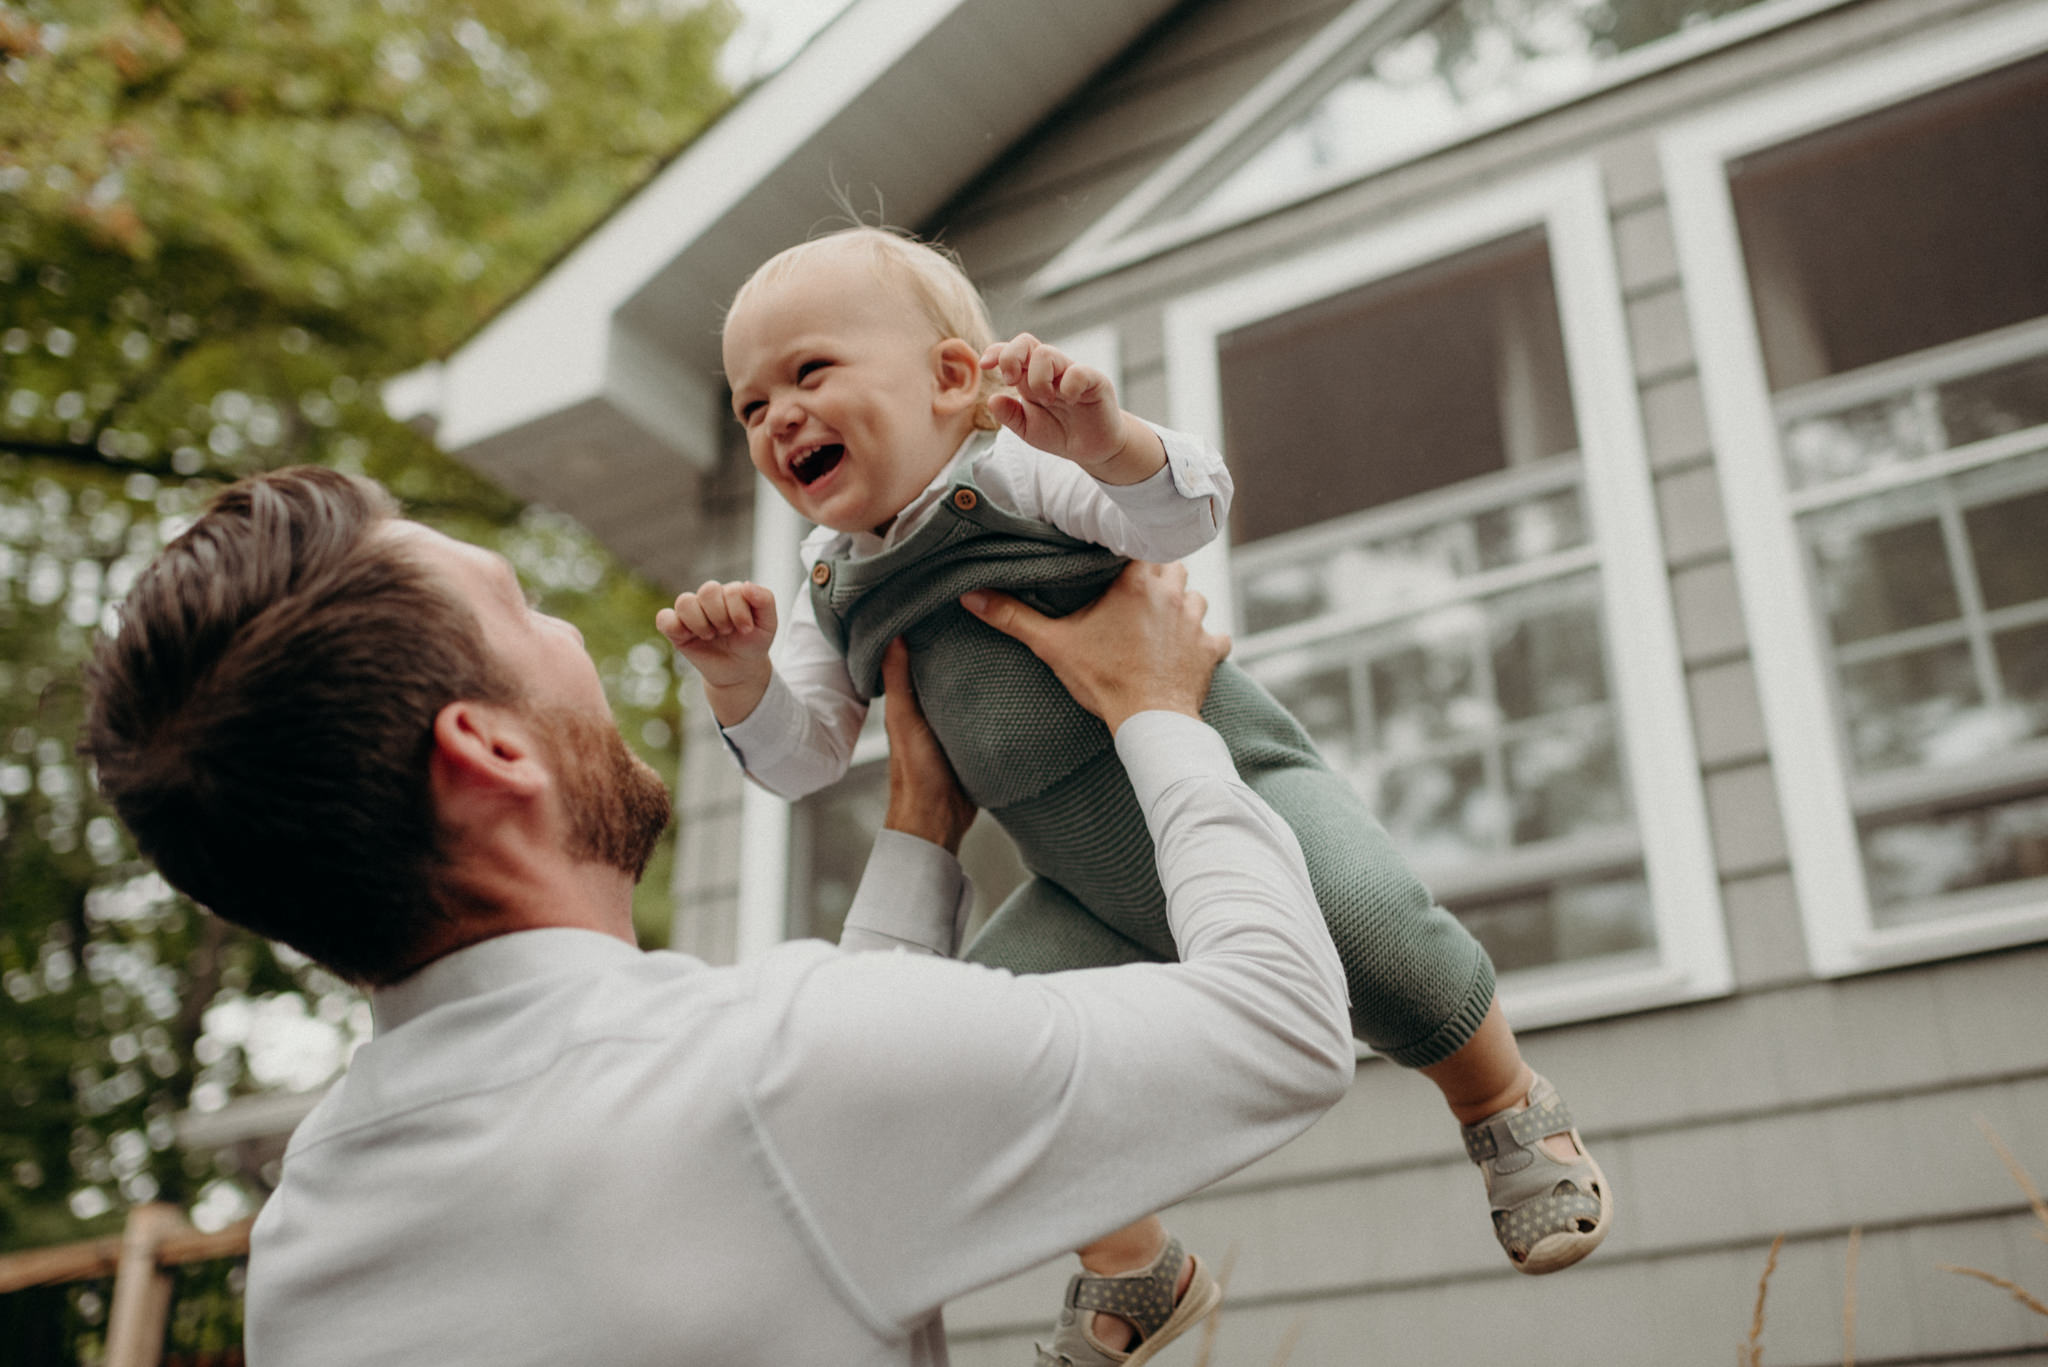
point(925, 275)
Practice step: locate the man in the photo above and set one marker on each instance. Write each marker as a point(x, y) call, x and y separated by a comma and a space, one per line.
point(351, 733)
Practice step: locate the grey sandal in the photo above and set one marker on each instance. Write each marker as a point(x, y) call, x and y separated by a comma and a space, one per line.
point(1144, 1298)
point(1547, 1214)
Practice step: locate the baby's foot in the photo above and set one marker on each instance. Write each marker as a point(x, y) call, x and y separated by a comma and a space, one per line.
point(1149, 1308)
point(1551, 1203)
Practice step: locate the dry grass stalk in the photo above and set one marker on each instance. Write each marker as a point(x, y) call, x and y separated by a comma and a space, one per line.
point(1751, 1352)
point(2019, 1293)
point(1215, 1319)
point(2025, 1180)
point(1849, 1298)
point(1287, 1342)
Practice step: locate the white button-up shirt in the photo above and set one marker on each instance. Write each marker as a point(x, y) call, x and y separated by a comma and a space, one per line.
point(558, 1149)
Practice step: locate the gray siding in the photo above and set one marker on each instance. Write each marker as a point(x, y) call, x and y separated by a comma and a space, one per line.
point(1796, 1106)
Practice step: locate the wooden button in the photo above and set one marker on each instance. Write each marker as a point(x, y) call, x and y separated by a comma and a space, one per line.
point(965, 499)
point(821, 573)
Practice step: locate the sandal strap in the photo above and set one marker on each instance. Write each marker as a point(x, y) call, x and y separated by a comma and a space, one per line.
point(1544, 1115)
point(1144, 1297)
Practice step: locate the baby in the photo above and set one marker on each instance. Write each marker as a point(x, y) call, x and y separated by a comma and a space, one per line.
point(937, 461)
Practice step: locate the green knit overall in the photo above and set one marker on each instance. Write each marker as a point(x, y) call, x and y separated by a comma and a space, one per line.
point(1046, 769)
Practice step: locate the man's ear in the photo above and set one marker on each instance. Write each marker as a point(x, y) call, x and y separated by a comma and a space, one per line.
point(485, 750)
point(956, 375)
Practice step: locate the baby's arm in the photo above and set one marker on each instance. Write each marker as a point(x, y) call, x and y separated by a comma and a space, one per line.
point(1070, 410)
point(791, 719)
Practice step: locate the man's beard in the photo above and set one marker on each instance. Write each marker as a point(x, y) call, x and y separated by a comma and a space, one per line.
point(616, 804)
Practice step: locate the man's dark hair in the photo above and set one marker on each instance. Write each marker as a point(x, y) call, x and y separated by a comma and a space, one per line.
point(263, 718)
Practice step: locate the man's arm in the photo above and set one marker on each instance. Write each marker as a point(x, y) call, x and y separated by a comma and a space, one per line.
point(913, 894)
point(939, 1126)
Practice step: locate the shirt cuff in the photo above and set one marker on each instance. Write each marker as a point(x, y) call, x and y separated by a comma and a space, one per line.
point(1161, 749)
point(912, 895)
point(1188, 461)
point(1164, 495)
point(773, 729)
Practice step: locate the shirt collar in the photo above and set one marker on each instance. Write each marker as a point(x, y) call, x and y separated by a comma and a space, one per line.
point(488, 965)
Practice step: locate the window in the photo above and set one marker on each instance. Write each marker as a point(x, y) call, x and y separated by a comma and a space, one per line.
point(1882, 416)
point(1441, 513)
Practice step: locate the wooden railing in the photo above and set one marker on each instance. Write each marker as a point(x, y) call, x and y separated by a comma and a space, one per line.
point(155, 1240)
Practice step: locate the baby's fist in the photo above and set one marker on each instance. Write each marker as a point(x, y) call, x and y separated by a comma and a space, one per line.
point(724, 630)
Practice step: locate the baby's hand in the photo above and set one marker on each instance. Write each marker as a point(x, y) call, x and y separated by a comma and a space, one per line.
point(1068, 409)
point(724, 630)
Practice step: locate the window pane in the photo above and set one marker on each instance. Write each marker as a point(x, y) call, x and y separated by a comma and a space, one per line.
point(1549, 661)
point(1856, 440)
point(1395, 389)
point(1910, 862)
point(2023, 672)
point(1378, 574)
point(1918, 708)
point(1566, 779)
point(1876, 579)
point(1528, 531)
point(1426, 694)
point(1281, 595)
point(1319, 696)
point(1996, 402)
point(2010, 543)
point(1443, 810)
point(1569, 922)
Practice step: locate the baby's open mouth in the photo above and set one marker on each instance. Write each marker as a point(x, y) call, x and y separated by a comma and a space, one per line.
point(810, 466)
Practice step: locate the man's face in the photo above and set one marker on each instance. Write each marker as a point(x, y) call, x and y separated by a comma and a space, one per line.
point(616, 805)
point(833, 378)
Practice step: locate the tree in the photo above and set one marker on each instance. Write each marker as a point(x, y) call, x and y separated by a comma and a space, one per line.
point(222, 223)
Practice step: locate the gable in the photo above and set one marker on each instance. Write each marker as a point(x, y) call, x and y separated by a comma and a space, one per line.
point(1390, 81)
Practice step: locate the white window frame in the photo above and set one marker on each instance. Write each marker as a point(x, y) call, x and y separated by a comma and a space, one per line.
point(765, 819)
point(1568, 203)
point(1792, 677)
point(1122, 237)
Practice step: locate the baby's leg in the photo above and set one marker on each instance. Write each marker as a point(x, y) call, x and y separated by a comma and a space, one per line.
point(1040, 928)
point(1422, 993)
point(1420, 984)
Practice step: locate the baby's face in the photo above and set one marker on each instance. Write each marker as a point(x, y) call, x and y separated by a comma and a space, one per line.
point(835, 379)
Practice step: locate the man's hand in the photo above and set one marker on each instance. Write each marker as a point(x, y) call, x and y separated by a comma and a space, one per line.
point(1070, 410)
point(924, 797)
point(724, 631)
point(1141, 647)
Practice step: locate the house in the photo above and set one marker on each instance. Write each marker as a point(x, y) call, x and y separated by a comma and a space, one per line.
point(1640, 416)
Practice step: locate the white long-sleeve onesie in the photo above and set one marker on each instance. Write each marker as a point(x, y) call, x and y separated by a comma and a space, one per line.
point(800, 736)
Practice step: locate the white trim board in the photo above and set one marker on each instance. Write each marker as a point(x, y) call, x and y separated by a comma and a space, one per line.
point(1692, 958)
point(1807, 763)
point(1123, 237)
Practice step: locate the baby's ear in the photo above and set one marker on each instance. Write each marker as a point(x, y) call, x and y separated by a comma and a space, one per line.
point(956, 368)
